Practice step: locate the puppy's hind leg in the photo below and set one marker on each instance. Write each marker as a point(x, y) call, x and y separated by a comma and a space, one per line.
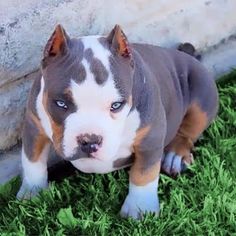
point(34, 159)
point(178, 152)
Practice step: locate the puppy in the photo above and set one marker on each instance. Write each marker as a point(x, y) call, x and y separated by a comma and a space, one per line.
point(105, 104)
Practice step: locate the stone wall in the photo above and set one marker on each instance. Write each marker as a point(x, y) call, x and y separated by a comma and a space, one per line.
point(13, 97)
point(26, 25)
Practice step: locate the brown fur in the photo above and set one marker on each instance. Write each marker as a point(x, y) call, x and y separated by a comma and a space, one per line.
point(130, 102)
point(57, 135)
point(140, 135)
point(138, 174)
point(40, 140)
point(120, 42)
point(57, 40)
point(193, 124)
point(56, 128)
point(39, 145)
point(68, 93)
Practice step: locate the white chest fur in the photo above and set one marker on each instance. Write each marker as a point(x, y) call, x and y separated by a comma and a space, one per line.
point(92, 165)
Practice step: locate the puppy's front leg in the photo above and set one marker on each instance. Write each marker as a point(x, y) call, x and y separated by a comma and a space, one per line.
point(143, 183)
point(34, 159)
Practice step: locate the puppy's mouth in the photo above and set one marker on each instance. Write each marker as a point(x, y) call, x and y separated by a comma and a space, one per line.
point(79, 154)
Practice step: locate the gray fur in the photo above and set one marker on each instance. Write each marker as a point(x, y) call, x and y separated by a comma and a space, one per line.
point(165, 83)
point(121, 68)
point(123, 162)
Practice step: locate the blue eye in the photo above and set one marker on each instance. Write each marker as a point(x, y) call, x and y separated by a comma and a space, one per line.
point(116, 106)
point(61, 104)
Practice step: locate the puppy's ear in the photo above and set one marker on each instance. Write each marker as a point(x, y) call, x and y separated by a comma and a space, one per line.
point(118, 42)
point(57, 43)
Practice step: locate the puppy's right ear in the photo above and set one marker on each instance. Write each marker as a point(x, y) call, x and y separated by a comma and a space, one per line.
point(57, 44)
point(119, 42)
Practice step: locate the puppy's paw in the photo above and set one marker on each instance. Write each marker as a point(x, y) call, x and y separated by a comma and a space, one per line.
point(28, 192)
point(136, 205)
point(173, 164)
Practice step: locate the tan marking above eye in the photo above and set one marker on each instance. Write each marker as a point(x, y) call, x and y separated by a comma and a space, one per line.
point(68, 93)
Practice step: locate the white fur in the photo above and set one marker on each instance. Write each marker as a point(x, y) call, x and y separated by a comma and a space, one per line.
point(34, 174)
point(42, 113)
point(141, 199)
point(92, 165)
point(93, 115)
point(132, 123)
point(99, 51)
point(89, 165)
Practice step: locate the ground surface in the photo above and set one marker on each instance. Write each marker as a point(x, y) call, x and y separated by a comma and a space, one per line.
point(200, 202)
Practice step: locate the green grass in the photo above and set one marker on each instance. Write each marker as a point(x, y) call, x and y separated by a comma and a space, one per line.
point(200, 202)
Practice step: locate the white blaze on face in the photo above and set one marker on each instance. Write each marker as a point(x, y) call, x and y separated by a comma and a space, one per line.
point(93, 115)
point(41, 112)
point(98, 50)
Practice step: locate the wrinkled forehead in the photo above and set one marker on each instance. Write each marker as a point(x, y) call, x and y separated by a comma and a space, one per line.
point(88, 58)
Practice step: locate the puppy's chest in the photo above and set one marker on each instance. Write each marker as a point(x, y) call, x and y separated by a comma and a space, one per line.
point(122, 158)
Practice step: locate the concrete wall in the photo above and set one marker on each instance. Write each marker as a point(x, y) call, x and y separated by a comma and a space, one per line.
point(26, 25)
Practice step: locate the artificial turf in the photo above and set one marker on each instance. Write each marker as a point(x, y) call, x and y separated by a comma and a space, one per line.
point(200, 202)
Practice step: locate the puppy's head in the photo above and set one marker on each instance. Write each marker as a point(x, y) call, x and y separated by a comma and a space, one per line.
point(87, 92)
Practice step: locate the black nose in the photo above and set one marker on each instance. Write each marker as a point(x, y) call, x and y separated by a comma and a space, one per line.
point(89, 143)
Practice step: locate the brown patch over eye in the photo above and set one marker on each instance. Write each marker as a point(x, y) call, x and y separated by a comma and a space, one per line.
point(68, 93)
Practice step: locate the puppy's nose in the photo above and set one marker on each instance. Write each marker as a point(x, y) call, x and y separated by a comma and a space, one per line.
point(89, 143)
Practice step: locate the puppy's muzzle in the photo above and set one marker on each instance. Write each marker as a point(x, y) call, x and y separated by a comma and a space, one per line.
point(89, 143)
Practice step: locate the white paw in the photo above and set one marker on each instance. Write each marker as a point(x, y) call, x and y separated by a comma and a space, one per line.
point(140, 200)
point(27, 192)
point(135, 207)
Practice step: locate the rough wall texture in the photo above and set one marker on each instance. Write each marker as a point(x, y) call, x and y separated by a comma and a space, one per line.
point(26, 25)
point(13, 98)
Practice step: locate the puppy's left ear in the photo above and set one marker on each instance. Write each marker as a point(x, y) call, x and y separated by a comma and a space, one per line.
point(119, 42)
point(57, 43)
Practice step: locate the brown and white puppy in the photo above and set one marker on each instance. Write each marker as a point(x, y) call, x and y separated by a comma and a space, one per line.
point(101, 99)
